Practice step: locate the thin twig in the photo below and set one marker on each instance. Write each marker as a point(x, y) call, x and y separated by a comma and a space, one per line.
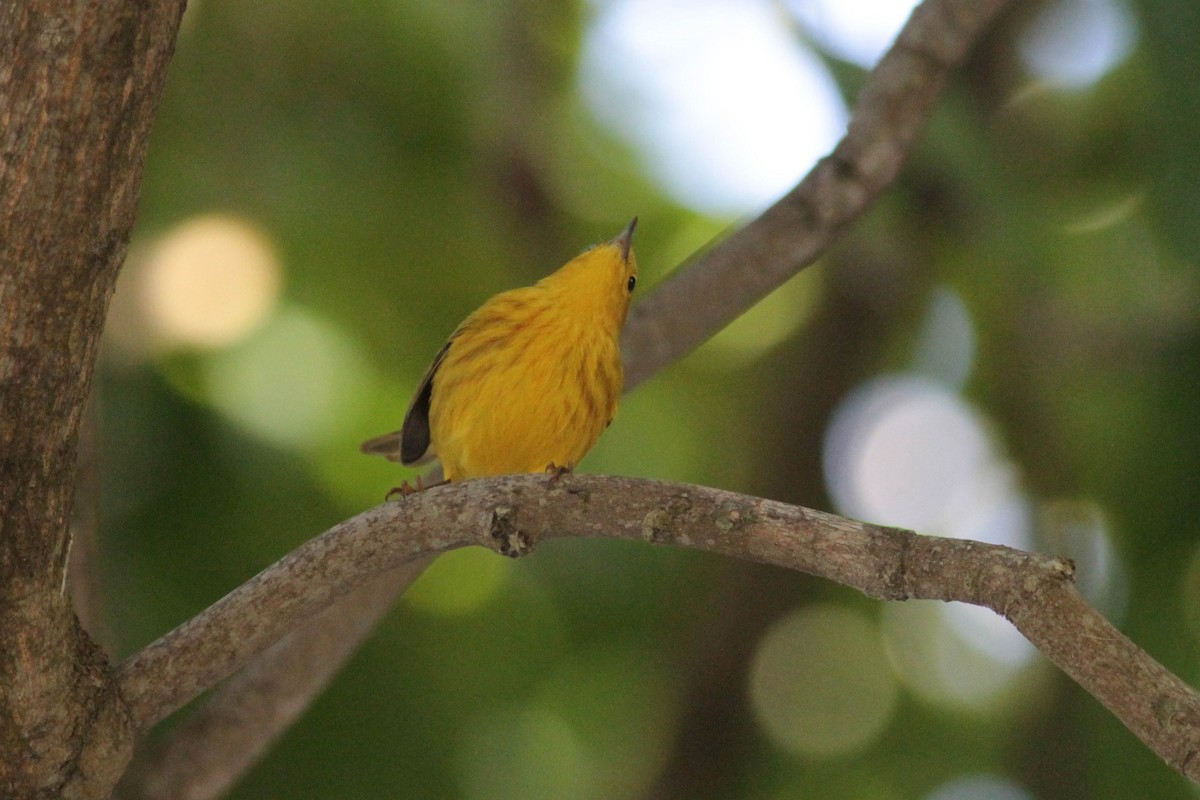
point(513, 514)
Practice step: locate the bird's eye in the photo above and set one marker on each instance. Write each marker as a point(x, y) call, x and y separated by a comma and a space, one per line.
point(632, 282)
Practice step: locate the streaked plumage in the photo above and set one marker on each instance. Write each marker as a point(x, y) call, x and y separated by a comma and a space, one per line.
point(530, 379)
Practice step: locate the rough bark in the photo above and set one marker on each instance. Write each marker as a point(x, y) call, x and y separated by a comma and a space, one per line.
point(79, 82)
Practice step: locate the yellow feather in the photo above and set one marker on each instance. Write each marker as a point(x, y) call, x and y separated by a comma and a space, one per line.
point(530, 379)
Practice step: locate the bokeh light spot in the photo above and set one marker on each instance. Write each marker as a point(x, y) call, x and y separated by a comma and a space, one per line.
point(1074, 43)
point(989, 634)
point(529, 753)
point(859, 32)
point(621, 702)
point(907, 451)
point(935, 661)
point(820, 683)
point(945, 348)
point(1079, 530)
point(459, 581)
point(208, 283)
point(296, 383)
point(979, 787)
point(717, 83)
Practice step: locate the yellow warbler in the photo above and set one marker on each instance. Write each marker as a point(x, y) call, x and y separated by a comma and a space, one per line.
point(530, 380)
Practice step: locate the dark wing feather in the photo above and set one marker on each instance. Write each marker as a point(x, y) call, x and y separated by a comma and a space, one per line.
point(410, 444)
point(414, 433)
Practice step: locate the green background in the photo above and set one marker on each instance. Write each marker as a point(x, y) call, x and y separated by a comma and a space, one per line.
point(407, 160)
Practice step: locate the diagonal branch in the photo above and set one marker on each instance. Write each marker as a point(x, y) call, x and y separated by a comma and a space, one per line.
point(694, 304)
point(513, 514)
point(231, 730)
point(698, 301)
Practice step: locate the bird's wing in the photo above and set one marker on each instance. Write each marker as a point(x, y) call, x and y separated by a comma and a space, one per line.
point(410, 444)
point(414, 432)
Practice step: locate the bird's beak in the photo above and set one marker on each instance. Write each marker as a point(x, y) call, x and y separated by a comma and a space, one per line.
point(625, 239)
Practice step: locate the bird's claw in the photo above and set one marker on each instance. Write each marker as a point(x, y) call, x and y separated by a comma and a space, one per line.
point(405, 489)
point(555, 472)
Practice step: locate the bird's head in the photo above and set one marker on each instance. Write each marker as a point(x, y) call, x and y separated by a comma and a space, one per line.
point(598, 283)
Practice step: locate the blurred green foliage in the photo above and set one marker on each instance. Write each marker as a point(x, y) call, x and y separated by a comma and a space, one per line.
point(409, 159)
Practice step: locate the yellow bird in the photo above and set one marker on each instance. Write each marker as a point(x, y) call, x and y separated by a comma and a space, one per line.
point(529, 381)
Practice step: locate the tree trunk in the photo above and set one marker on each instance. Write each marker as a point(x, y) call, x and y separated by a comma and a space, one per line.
point(79, 83)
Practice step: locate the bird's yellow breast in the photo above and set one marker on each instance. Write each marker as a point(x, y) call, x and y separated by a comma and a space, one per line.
point(525, 383)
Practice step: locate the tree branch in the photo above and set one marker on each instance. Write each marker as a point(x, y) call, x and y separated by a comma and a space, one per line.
point(513, 514)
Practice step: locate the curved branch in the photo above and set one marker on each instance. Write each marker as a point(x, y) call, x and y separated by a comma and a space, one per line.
point(513, 514)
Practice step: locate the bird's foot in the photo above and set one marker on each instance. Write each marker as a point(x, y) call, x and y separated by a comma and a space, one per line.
point(406, 488)
point(555, 472)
